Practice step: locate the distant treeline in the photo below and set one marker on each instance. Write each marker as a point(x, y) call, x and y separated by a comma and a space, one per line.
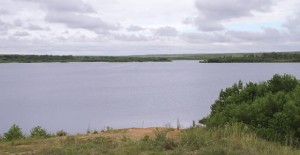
point(70, 58)
point(209, 58)
point(259, 57)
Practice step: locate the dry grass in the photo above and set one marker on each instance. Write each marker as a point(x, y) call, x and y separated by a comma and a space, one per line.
point(230, 140)
point(32, 146)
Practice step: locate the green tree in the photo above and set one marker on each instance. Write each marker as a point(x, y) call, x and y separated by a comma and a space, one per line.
point(39, 132)
point(271, 108)
point(14, 133)
point(284, 83)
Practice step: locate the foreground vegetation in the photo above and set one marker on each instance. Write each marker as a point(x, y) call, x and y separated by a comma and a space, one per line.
point(210, 58)
point(271, 109)
point(230, 139)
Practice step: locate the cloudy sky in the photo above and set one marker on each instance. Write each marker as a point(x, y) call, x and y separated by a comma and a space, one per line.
point(133, 27)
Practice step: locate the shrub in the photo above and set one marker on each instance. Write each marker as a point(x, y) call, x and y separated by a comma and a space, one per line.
point(61, 133)
point(271, 109)
point(160, 137)
point(95, 132)
point(14, 133)
point(159, 143)
point(39, 132)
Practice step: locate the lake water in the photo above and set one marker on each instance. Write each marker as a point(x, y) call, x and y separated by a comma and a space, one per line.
point(78, 96)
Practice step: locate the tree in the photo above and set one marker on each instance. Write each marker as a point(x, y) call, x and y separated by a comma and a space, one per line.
point(39, 132)
point(271, 108)
point(284, 83)
point(14, 133)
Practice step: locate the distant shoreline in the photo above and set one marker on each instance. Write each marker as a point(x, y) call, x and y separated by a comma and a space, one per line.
point(274, 57)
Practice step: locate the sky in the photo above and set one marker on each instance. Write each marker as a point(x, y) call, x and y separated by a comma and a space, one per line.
point(138, 27)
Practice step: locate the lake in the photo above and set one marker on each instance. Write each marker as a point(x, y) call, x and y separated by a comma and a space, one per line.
point(78, 96)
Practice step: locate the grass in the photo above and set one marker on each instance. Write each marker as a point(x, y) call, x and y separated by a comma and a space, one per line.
point(230, 140)
point(233, 140)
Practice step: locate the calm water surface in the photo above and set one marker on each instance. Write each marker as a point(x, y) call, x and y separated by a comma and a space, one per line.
point(78, 96)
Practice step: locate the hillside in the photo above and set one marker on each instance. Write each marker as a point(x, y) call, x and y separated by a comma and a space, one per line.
point(233, 139)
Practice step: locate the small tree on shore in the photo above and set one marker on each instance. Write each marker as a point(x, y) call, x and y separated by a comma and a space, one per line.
point(14, 133)
point(39, 132)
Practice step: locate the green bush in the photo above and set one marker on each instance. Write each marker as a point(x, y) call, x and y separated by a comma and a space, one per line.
point(95, 132)
point(271, 109)
point(39, 132)
point(159, 143)
point(162, 142)
point(14, 133)
point(61, 133)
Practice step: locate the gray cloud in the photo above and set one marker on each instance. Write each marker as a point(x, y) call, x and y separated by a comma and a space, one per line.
point(205, 25)
point(2, 33)
point(133, 37)
point(4, 27)
point(33, 27)
point(21, 34)
point(4, 12)
point(205, 38)
point(84, 27)
point(226, 9)
point(213, 12)
point(64, 5)
point(135, 28)
point(166, 31)
point(74, 14)
point(74, 20)
point(293, 26)
point(18, 23)
point(267, 35)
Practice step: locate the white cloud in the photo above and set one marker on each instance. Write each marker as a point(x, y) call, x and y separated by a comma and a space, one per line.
point(148, 26)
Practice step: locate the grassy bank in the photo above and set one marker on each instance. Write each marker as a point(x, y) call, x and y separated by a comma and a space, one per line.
point(232, 139)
